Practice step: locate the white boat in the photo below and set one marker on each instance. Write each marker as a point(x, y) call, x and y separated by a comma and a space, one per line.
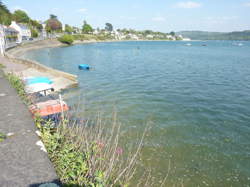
point(188, 44)
point(38, 87)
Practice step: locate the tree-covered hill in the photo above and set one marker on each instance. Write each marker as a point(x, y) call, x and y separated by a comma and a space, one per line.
point(203, 35)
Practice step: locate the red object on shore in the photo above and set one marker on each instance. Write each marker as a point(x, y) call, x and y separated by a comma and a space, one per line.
point(48, 107)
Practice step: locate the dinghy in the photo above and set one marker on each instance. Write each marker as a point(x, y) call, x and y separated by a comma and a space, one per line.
point(35, 80)
point(38, 87)
point(48, 108)
point(83, 66)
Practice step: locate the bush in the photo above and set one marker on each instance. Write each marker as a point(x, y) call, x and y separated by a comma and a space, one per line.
point(67, 39)
point(34, 33)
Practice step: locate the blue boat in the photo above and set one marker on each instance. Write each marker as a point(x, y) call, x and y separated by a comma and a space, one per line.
point(83, 66)
point(35, 80)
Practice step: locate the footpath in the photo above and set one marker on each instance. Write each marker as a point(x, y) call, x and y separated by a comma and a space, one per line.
point(22, 162)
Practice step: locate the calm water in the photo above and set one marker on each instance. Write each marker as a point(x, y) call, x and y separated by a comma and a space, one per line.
point(197, 97)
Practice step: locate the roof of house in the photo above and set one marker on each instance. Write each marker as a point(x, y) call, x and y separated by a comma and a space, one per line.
point(9, 29)
point(23, 26)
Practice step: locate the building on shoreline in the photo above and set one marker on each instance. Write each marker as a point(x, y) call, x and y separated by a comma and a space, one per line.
point(2, 41)
point(11, 37)
point(8, 38)
point(24, 32)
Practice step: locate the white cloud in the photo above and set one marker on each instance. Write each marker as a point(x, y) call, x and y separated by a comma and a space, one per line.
point(158, 19)
point(82, 10)
point(247, 4)
point(188, 4)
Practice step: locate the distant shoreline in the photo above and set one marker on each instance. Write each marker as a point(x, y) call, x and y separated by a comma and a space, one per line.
point(53, 43)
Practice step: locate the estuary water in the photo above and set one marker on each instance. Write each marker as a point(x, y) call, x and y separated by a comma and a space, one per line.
point(196, 96)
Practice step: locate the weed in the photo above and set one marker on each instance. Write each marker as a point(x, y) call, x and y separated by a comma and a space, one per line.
point(2, 137)
point(16, 82)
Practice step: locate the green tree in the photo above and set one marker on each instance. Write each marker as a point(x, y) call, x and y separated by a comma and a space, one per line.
point(172, 33)
point(36, 24)
point(5, 15)
point(20, 16)
point(68, 29)
point(52, 16)
point(86, 28)
point(109, 27)
point(34, 33)
point(53, 24)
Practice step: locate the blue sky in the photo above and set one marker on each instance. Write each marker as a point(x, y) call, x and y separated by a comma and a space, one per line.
point(160, 15)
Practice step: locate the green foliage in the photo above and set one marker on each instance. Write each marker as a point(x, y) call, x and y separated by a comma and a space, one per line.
point(11, 36)
point(86, 28)
point(34, 33)
point(20, 16)
point(5, 15)
point(53, 24)
point(71, 162)
point(19, 86)
point(2, 137)
point(36, 24)
point(109, 27)
point(68, 29)
point(52, 16)
point(67, 39)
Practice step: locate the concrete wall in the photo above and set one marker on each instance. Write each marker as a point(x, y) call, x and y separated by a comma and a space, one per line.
point(43, 68)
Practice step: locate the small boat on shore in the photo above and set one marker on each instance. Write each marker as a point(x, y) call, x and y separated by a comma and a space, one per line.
point(49, 107)
point(35, 80)
point(38, 87)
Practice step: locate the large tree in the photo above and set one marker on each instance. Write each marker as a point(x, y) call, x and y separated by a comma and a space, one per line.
point(5, 15)
point(68, 29)
point(53, 24)
point(35, 24)
point(109, 27)
point(86, 28)
point(20, 16)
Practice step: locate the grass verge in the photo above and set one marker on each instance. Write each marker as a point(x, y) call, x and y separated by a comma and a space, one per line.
point(2, 137)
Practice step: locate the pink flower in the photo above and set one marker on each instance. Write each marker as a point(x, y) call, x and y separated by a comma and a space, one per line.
point(119, 150)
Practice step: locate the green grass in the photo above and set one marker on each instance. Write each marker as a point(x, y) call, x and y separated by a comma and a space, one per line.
point(16, 82)
point(2, 66)
point(2, 137)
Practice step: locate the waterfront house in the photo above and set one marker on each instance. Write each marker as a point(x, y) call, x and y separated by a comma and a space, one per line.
point(43, 31)
point(76, 30)
point(10, 37)
point(2, 41)
point(24, 32)
point(149, 36)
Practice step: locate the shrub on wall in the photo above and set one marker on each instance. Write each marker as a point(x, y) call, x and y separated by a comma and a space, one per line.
point(67, 39)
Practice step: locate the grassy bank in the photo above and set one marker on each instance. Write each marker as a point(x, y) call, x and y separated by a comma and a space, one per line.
point(89, 153)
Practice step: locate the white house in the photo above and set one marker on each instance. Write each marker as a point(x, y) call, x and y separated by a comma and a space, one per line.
point(10, 37)
point(2, 42)
point(24, 32)
point(149, 36)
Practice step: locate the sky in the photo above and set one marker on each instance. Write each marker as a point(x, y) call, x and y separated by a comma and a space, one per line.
point(157, 15)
